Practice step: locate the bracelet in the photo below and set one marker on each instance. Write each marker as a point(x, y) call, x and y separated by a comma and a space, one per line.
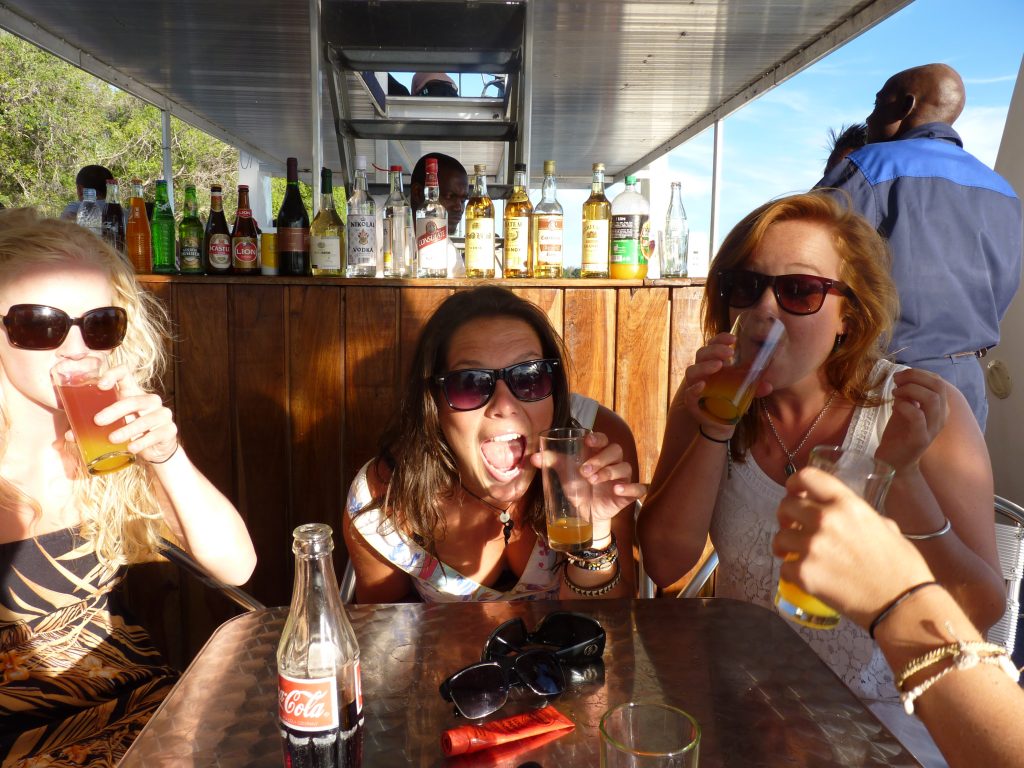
point(962, 654)
point(962, 660)
point(168, 457)
point(896, 602)
point(592, 553)
point(946, 528)
point(706, 436)
point(604, 589)
point(606, 559)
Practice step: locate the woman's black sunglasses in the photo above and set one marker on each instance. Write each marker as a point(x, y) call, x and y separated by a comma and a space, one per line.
point(795, 294)
point(37, 326)
point(482, 689)
point(473, 388)
point(570, 636)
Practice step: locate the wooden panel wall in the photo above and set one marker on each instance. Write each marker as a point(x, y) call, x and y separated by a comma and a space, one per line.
point(282, 388)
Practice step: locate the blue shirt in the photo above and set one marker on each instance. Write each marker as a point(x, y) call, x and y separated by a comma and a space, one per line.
point(954, 228)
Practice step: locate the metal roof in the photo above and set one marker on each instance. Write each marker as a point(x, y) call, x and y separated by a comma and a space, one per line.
point(617, 81)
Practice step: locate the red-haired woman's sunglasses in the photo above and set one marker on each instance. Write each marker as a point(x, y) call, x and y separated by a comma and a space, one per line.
point(795, 294)
point(37, 326)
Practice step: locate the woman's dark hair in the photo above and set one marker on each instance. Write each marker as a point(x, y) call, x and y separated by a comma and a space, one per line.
point(423, 468)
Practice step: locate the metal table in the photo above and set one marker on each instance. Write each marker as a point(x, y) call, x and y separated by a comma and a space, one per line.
point(762, 697)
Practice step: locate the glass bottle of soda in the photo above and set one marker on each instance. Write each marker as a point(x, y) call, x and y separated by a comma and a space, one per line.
point(244, 237)
point(163, 226)
point(320, 700)
point(113, 217)
point(217, 239)
point(138, 239)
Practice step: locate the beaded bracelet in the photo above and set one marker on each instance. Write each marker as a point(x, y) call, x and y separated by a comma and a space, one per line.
point(604, 589)
point(593, 553)
point(706, 436)
point(963, 658)
point(896, 602)
point(946, 528)
point(606, 559)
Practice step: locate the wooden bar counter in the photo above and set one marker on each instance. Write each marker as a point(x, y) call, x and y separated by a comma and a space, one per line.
point(281, 386)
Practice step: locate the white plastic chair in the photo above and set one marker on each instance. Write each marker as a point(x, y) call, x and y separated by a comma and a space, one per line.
point(1010, 544)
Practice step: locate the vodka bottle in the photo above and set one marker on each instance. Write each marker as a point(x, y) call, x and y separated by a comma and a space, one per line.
point(399, 251)
point(362, 227)
point(631, 233)
point(479, 227)
point(432, 229)
point(546, 230)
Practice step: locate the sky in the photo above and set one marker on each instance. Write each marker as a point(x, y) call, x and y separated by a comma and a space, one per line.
point(777, 144)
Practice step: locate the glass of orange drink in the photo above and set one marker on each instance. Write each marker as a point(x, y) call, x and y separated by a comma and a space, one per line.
point(869, 478)
point(76, 380)
point(567, 493)
point(728, 393)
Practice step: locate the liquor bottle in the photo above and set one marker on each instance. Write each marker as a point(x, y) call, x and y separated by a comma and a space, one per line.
point(217, 238)
point(327, 232)
point(293, 227)
point(244, 237)
point(398, 244)
point(90, 213)
point(113, 217)
point(432, 229)
point(190, 235)
point(518, 210)
point(479, 227)
point(677, 236)
point(362, 227)
point(546, 228)
point(631, 233)
point(597, 218)
point(320, 699)
point(163, 226)
point(138, 242)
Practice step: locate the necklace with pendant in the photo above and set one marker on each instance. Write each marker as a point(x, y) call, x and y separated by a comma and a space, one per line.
point(790, 455)
point(507, 523)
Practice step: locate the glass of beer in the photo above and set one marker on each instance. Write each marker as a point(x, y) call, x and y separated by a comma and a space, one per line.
point(76, 380)
point(869, 478)
point(652, 734)
point(728, 393)
point(567, 493)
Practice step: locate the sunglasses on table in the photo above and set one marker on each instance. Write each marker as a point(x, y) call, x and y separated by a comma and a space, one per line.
point(795, 294)
point(472, 388)
point(39, 327)
point(570, 636)
point(482, 689)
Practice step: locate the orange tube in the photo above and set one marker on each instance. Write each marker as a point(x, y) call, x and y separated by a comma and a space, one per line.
point(470, 738)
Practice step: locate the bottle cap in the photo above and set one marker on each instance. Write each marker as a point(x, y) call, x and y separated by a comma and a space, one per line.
point(549, 167)
point(598, 166)
point(631, 179)
point(480, 169)
point(455, 741)
point(519, 167)
point(395, 168)
point(432, 165)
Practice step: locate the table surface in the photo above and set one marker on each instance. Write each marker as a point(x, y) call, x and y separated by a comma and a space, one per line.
point(762, 697)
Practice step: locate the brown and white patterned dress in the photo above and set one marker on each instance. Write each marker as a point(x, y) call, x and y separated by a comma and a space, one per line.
point(77, 680)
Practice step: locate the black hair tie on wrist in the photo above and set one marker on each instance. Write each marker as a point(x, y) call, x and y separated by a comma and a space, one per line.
point(706, 436)
point(169, 455)
point(895, 603)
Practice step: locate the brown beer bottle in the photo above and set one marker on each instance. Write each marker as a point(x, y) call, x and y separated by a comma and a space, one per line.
point(217, 238)
point(244, 237)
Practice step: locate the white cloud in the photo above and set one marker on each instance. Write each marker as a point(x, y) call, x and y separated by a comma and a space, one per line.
point(981, 128)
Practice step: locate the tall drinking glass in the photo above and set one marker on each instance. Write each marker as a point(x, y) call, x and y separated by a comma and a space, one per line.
point(728, 393)
point(76, 381)
point(869, 478)
point(649, 735)
point(567, 493)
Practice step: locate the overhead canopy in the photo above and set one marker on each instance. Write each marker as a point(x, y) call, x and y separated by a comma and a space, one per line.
point(617, 81)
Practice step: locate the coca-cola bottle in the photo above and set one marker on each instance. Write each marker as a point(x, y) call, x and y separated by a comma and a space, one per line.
point(320, 699)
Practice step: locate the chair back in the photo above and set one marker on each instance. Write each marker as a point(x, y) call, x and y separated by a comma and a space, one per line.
point(1010, 544)
point(186, 562)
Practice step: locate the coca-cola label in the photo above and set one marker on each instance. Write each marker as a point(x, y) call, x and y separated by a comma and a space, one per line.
point(308, 705)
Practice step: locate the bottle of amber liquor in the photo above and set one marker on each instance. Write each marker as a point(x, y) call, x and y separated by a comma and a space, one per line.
point(546, 229)
point(479, 228)
point(597, 220)
point(518, 210)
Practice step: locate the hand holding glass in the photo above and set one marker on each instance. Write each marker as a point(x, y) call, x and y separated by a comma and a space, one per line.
point(568, 495)
point(77, 383)
point(728, 393)
point(649, 734)
point(869, 478)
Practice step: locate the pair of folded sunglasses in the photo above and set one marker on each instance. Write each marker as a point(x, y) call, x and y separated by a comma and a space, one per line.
point(515, 656)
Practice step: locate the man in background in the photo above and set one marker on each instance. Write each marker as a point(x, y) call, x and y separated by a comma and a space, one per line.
point(90, 177)
point(953, 225)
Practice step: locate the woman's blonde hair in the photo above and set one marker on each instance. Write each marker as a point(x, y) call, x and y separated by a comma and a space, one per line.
point(120, 512)
point(864, 266)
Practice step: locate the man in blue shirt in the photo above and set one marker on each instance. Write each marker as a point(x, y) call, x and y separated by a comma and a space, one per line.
point(953, 225)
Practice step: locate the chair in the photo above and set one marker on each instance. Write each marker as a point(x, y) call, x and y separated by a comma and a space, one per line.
point(1010, 545)
point(184, 560)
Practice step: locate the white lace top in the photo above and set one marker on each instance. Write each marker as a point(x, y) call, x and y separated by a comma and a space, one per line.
point(438, 582)
point(742, 528)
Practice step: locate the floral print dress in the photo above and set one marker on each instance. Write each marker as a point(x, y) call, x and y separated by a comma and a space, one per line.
point(77, 680)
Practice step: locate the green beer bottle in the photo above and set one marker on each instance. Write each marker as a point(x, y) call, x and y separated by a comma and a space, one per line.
point(190, 235)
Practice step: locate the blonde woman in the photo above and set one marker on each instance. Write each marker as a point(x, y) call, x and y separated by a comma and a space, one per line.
point(78, 680)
